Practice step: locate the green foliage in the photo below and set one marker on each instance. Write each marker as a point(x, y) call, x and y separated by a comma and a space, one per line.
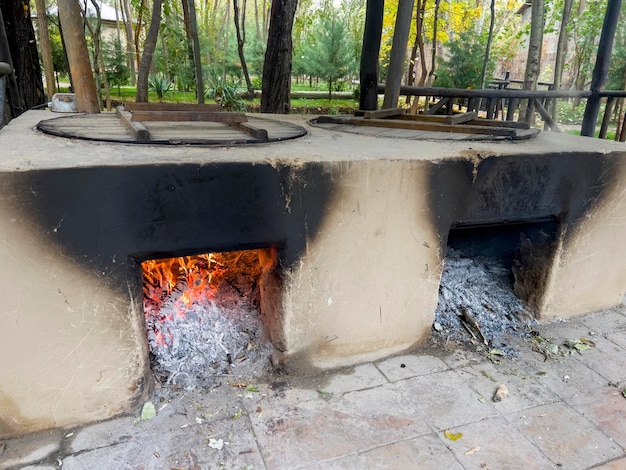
point(226, 93)
point(327, 53)
point(118, 73)
point(617, 67)
point(160, 84)
point(462, 66)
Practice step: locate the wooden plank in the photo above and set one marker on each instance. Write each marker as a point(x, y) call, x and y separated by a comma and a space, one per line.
point(545, 115)
point(380, 113)
point(438, 105)
point(498, 123)
point(254, 131)
point(454, 119)
point(189, 116)
point(207, 108)
point(137, 129)
point(430, 126)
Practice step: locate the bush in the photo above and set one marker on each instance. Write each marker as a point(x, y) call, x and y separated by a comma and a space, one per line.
point(225, 93)
point(159, 84)
point(463, 65)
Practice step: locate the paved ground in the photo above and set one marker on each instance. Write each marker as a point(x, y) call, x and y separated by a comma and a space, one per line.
point(565, 409)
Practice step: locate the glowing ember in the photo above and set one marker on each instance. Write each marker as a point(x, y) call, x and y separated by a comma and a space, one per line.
point(201, 314)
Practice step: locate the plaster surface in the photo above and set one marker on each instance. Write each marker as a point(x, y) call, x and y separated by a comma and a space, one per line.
point(360, 225)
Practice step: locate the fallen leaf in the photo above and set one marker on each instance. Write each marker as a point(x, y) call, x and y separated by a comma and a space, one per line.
point(472, 451)
point(501, 392)
point(252, 388)
point(482, 399)
point(588, 342)
point(452, 436)
point(240, 413)
point(240, 384)
point(437, 326)
point(580, 347)
point(148, 411)
point(216, 443)
point(488, 375)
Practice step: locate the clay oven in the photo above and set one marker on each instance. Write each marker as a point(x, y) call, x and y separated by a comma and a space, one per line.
point(358, 225)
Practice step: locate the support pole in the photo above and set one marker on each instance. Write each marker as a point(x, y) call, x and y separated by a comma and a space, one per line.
point(601, 69)
point(368, 100)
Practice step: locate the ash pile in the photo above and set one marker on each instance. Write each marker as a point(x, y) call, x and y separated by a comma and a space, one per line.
point(477, 304)
point(196, 344)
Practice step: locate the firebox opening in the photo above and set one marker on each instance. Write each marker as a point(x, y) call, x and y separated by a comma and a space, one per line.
point(203, 316)
point(493, 279)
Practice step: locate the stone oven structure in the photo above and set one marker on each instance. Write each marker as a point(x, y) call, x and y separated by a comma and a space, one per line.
point(354, 227)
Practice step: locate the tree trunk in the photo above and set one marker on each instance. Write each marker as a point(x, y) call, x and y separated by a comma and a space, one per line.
point(241, 39)
point(419, 40)
point(368, 75)
point(278, 58)
point(601, 68)
point(148, 52)
point(98, 58)
point(398, 53)
point(533, 60)
point(561, 52)
point(138, 33)
point(78, 56)
point(483, 75)
point(191, 26)
point(44, 46)
point(433, 57)
point(25, 87)
point(130, 41)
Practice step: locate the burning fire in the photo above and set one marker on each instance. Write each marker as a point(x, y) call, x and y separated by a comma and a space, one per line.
point(172, 285)
point(202, 314)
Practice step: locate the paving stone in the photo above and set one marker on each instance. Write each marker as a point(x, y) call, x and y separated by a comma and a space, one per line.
point(618, 338)
point(413, 365)
point(378, 416)
point(445, 400)
point(174, 447)
point(607, 359)
point(606, 407)
point(524, 392)
point(614, 465)
point(349, 462)
point(564, 436)
point(565, 376)
point(30, 449)
point(423, 453)
point(482, 443)
point(300, 435)
point(362, 377)
point(607, 321)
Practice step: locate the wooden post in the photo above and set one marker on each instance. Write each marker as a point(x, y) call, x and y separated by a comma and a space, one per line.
point(601, 69)
point(398, 53)
point(368, 99)
point(607, 117)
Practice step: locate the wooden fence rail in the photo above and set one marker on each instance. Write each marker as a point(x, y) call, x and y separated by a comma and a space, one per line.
point(507, 103)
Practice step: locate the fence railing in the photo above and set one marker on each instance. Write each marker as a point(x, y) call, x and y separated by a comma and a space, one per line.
point(515, 105)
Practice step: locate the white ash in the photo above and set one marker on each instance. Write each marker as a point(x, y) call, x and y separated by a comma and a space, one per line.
point(211, 339)
point(484, 287)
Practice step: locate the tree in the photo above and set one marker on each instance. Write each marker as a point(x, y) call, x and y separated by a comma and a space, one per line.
point(533, 59)
point(191, 26)
point(561, 52)
point(78, 56)
point(483, 75)
point(240, 29)
point(45, 46)
point(148, 52)
point(117, 70)
point(19, 48)
point(278, 58)
point(462, 66)
point(327, 52)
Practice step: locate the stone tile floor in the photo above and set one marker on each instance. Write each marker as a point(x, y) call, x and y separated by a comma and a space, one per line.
point(562, 412)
